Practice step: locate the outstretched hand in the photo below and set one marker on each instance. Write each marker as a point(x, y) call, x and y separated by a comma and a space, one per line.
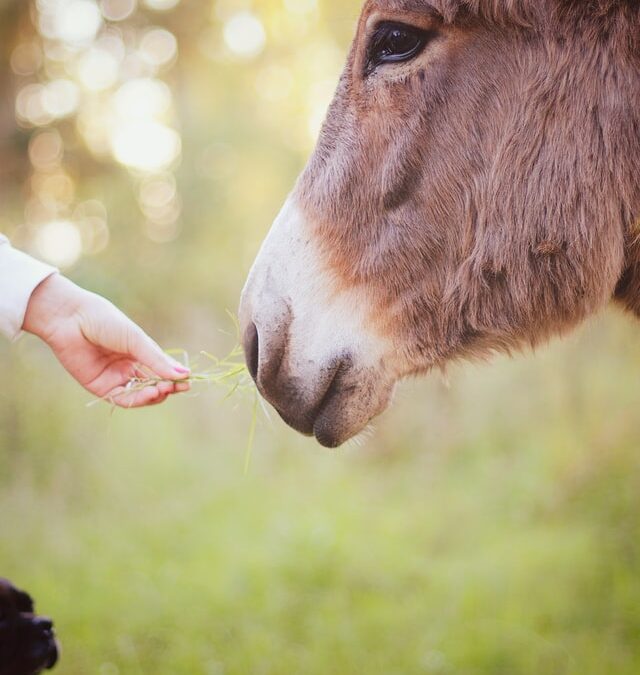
point(100, 347)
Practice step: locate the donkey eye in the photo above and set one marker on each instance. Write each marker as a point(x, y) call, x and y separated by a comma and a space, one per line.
point(395, 43)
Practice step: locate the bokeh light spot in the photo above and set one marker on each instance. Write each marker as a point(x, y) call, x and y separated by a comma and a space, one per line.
point(60, 98)
point(55, 189)
point(46, 149)
point(161, 5)
point(244, 35)
point(157, 192)
point(145, 145)
point(158, 47)
point(98, 69)
point(76, 22)
point(117, 10)
point(59, 243)
point(30, 108)
point(93, 122)
point(142, 98)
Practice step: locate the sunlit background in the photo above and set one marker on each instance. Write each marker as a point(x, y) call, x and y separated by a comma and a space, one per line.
point(490, 524)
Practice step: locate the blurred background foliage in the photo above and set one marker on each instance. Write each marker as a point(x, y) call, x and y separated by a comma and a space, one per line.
point(490, 525)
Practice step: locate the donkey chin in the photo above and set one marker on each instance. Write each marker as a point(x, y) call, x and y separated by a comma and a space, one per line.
point(309, 345)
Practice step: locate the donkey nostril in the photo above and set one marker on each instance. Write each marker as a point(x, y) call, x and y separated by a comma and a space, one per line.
point(252, 350)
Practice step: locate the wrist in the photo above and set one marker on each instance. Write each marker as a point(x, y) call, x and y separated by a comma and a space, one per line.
point(54, 300)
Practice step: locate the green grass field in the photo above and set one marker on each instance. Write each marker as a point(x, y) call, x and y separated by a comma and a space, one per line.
point(491, 527)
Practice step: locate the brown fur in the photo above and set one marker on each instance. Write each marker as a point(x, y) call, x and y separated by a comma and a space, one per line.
point(487, 194)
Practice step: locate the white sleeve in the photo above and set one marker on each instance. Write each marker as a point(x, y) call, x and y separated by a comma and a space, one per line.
point(19, 277)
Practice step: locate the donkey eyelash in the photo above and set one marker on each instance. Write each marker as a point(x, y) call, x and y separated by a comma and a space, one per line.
point(394, 42)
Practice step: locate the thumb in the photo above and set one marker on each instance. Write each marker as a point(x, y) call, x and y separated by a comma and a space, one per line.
point(144, 350)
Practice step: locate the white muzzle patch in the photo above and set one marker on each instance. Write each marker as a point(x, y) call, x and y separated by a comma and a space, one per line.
point(306, 339)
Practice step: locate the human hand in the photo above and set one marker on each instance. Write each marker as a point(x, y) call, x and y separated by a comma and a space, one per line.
point(100, 347)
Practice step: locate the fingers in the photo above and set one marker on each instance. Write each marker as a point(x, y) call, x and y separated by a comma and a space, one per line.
point(124, 398)
point(181, 387)
point(123, 384)
point(144, 350)
point(129, 398)
point(169, 388)
point(158, 401)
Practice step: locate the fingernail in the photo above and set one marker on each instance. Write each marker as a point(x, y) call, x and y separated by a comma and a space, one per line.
point(182, 370)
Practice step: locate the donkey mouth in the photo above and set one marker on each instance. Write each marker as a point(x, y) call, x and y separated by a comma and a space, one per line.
point(353, 404)
point(311, 420)
point(329, 429)
point(345, 399)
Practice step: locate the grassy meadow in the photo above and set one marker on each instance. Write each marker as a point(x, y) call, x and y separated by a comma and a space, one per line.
point(489, 525)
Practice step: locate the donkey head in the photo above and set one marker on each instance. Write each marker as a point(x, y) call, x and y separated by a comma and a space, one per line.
point(475, 188)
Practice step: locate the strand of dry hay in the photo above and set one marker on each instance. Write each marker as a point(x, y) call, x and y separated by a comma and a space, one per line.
point(229, 373)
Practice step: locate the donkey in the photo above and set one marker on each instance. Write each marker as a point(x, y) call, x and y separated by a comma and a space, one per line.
point(475, 189)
